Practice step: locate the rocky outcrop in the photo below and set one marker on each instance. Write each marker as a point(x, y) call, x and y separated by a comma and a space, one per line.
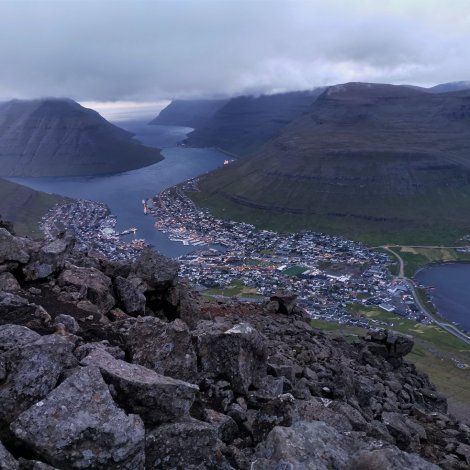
point(86, 382)
point(154, 397)
point(79, 425)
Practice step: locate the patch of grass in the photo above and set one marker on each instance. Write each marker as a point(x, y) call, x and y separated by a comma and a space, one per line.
point(416, 258)
point(294, 271)
point(235, 289)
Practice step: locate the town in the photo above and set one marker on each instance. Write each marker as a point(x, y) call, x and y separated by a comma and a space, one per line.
point(329, 274)
point(93, 226)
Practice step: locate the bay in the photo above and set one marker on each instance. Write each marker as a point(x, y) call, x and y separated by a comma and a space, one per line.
point(449, 285)
point(124, 192)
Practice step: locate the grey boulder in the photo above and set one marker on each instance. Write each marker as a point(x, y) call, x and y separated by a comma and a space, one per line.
point(78, 425)
point(30, 373)
point(156, 398)
point(166, 348)
point(237, 354)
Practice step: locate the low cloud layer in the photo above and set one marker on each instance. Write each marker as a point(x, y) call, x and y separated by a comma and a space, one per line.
point(138, 50)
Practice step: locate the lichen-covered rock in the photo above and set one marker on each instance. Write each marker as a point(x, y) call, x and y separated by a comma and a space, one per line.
point(70, 324)
point(96, 285)
point(13, 336)
point(130, 292)
point(18, 310)
point(78, 425)
point(226, 427)
point(31, 372)
point(237, 354)
point(166, 348)
point(187, 445)
point(8, 282)
point(158, 272)
point(281, 411)
point(49, 259)
point(156, 398)
point(7, 461)
point(319, 446)
point(12, 248)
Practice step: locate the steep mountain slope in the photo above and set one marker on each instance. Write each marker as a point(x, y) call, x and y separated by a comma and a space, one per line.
point(374, 162)
point(189, 113)
point(246, 122)
point(24, 206)
point(58, 137)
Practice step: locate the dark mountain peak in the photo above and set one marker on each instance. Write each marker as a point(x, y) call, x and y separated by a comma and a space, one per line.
point(359, 90)
point(59, 137)
point(451, 86)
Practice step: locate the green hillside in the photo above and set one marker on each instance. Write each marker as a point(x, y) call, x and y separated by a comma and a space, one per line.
point(24, 207)
point(377, 163)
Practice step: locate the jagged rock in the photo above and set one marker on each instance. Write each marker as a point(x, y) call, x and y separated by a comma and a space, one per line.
point(85, 349)
point(95, 283)
point(12, 248)
point(315, 410)
point(8, 282)
point(158, 272)
point(389, 459)
point(32, 371)
point(71, 325)
point(237, 354)
point(34, 465)
point(304, 445)
point(406, 438)
point(48, 260)
point(317, 445)
point(186, 445)
point(284, 301)
point(268, 387)
point(166, 348)
point(131, 293)
point(357, 421)
point(390, 345)
point(282, 411)
point(7, 461)
point(78, 425)
point(154, 397)
point(18, 310)
point(13, 336)
point(226, 427)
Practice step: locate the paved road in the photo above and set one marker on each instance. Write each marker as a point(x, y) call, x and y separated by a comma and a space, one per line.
point(401, 276)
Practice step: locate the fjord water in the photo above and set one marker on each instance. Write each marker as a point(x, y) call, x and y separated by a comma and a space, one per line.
point(123, 192)
point(450, 290)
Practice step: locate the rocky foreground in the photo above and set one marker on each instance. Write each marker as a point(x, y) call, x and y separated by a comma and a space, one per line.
point(118, 366)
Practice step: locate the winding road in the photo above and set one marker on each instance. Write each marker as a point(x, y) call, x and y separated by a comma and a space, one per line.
point(410, 283)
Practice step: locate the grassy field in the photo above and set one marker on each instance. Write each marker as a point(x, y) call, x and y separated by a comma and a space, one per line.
point(436, 352)
point(235, 289)
point(294, 271)
point(416, 258)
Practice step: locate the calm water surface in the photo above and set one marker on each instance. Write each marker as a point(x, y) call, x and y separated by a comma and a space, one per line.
point(123, 192)
point(450, 290)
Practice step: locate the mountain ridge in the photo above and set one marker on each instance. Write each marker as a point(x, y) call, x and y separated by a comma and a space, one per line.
point(389, 157)
point(59, 137)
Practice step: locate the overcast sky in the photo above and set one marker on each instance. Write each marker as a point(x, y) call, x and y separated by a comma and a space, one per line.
point(136, 50)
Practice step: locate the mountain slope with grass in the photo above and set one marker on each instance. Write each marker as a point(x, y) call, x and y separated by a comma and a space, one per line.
point(24, 207)
point(58, 137)
point(188, 113)
point(244, 123)
point(377, 163)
